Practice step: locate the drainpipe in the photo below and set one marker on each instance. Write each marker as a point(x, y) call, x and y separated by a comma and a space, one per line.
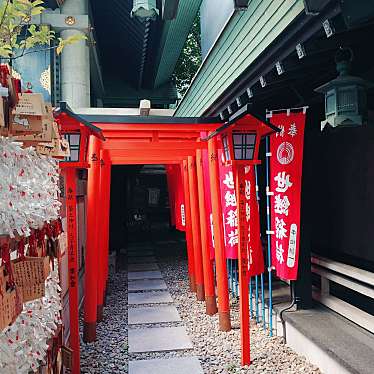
point(294, 301)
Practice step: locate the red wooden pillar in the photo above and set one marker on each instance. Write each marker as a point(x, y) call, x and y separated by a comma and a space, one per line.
point(103, 219)
point(72, 243)
point(210, 294)
point(238, 171)
point(106, 205)
point(170, 177)
point(195, 221)
point(219, 245)
point(189, 235)
point(92, 259)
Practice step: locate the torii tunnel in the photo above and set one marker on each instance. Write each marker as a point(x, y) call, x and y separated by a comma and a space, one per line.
point(130, 140)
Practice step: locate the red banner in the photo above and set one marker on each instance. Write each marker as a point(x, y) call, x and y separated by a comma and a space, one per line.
point(286, 148)
point(229, 209)
point(176, 196)
point(256, 256)
point(180, 216)
point(208, 203)
point(250, 240)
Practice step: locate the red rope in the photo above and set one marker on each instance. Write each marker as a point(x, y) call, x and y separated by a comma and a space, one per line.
point(21, 248)
point(32, 246)
point(40, 237)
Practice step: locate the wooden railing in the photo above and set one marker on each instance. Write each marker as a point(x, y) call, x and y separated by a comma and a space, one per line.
point(348, 276)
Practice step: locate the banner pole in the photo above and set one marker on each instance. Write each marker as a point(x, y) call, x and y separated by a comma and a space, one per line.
point(256, 297)
point(267, 140)
point(262, 275)
point(238, 172)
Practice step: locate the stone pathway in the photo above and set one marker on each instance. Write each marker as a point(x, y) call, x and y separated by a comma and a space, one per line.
point(153, 330)
point(154, 323)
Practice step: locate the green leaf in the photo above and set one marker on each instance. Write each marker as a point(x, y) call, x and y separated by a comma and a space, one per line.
point(68, 41)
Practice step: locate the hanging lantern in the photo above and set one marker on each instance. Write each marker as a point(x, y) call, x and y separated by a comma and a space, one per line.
point(144, 10)
point(240, 145)
point(241, 137)
point(76, 131)
point(345, 96)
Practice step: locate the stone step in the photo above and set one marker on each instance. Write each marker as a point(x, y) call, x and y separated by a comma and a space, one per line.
point(146, 285)
point(178, 365)
point(142, 267)
point(142, 260)
point(133, 275)
point(158, 339)
point(153, 314)
point(159, 297)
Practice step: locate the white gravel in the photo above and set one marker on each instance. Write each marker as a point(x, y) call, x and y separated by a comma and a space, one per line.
point(218, 352)
point(109, 354)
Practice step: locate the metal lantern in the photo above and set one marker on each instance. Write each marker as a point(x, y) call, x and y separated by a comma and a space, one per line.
point(76, 130)
point(145, 9)
point(345, 96)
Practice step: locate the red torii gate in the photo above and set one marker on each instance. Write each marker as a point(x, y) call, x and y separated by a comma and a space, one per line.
point(154, 140)
point(171, 140)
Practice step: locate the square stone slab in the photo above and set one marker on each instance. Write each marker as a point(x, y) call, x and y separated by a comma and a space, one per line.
point(132, 275)
point(153, 314)
point(159, 297)
point(146, 285)
point(141, 260)
point(142, 267)
point(180, 365)
point(158, 339)
point(140, 253)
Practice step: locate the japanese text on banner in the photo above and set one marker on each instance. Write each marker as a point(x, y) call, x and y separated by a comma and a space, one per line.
point(286, 148)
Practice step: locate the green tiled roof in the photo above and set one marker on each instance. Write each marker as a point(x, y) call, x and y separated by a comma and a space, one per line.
point(173, 37)
point(245, 37)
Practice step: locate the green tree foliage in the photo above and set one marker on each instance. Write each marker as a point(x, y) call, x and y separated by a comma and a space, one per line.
point(17, 34)
point(189, 59)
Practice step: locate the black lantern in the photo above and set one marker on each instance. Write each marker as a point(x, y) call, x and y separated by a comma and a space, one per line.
point(345, 96)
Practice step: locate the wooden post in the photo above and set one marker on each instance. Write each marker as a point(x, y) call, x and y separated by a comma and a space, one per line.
point(195, 221)
point(92, 260)
point(238, 171)
point(219, 246)
point(106, 208)
point(72, 244)
point(189, 236)
point(210, 294)
point(102, 252)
